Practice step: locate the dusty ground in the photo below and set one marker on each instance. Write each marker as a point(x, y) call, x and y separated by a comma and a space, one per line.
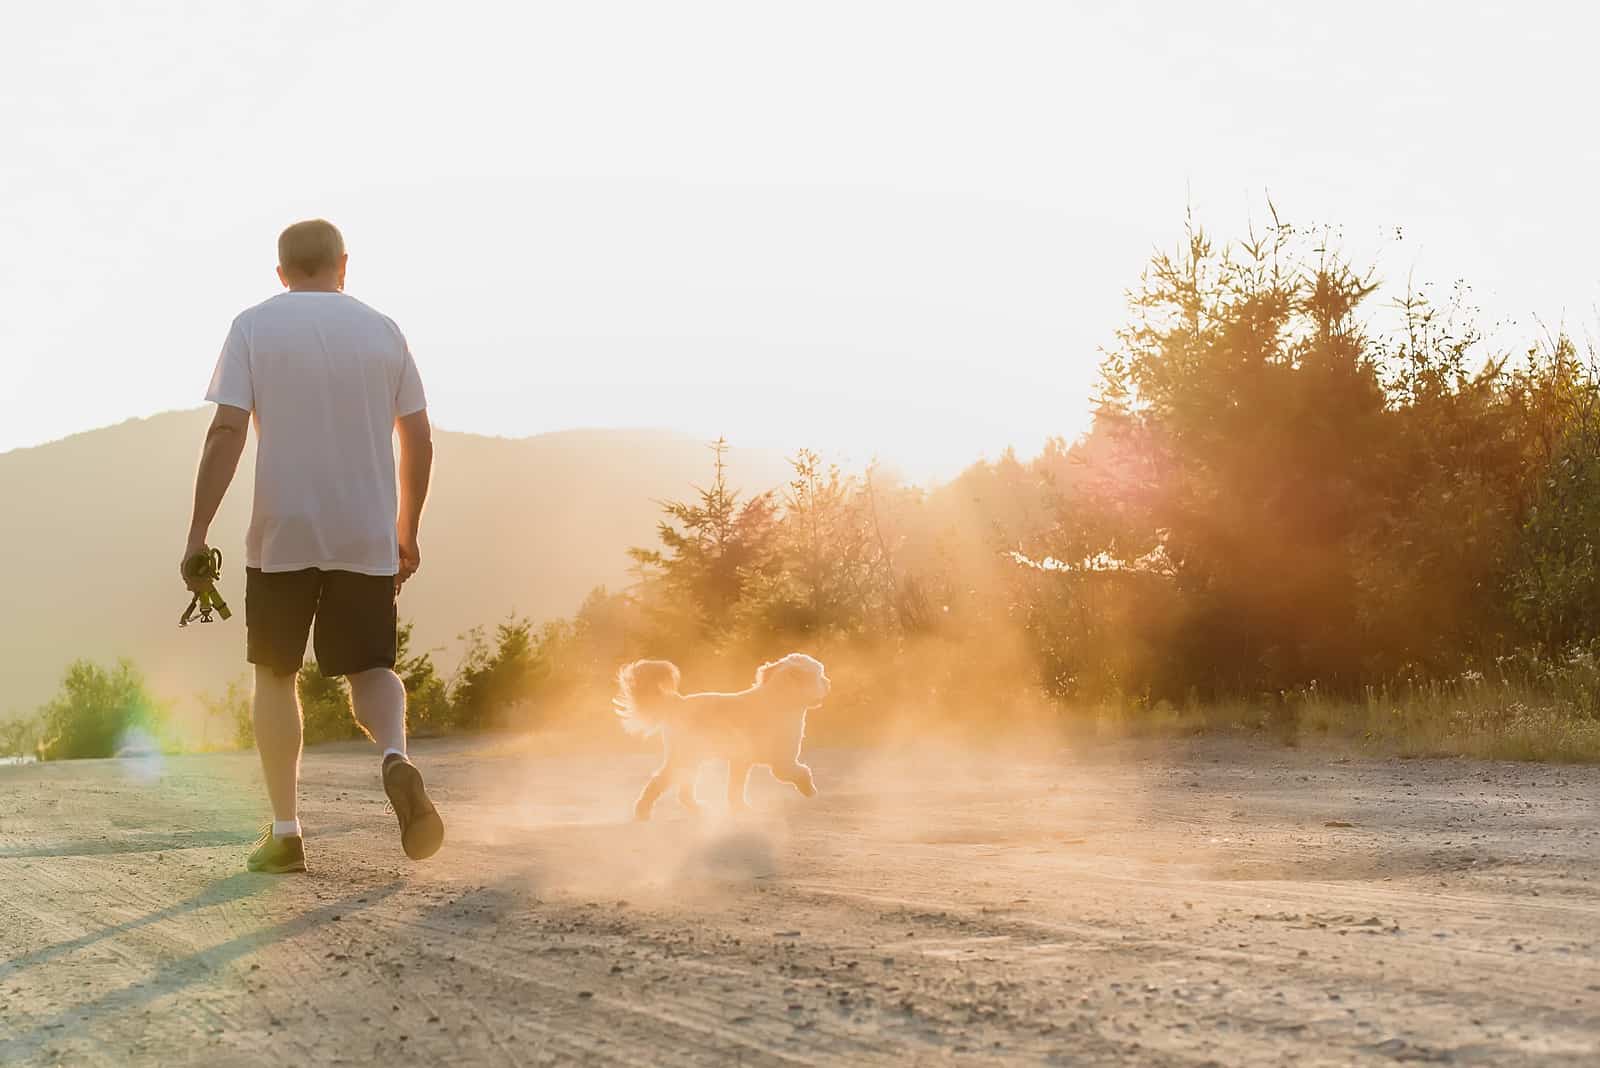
point(1177, 904)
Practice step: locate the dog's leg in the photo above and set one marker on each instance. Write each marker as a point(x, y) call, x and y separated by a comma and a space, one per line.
point(738, 772)
point(652, 790)
point(686, 797)
point(797, 775)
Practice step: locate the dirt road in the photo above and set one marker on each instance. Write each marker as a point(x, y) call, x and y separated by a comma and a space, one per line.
point(1214, 903)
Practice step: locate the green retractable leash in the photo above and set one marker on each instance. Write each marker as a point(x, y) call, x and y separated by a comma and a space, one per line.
point(205, 567)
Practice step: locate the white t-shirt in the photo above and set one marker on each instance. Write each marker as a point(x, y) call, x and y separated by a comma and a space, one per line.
point(326, 377)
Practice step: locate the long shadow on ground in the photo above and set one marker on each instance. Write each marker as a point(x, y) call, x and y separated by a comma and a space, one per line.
point(233, 888)
point(175, 975)
point(133, 843)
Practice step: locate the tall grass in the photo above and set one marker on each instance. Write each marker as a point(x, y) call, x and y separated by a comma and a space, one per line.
point(1518, 707)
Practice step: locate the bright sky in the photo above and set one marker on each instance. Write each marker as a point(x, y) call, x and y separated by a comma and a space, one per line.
point(894, 229)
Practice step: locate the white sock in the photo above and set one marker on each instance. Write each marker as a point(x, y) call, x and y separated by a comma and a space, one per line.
point(397, 752)
point(286, 828)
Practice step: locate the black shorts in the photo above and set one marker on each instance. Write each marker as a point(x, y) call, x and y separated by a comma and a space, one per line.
point(354, 614)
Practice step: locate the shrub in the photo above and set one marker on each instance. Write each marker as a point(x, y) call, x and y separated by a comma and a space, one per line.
point(98, 710)
point(19, 737)
point(427, 696)
point(493, 682)
point(325, 707)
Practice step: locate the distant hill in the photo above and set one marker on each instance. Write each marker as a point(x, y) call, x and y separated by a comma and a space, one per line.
point(91, 527)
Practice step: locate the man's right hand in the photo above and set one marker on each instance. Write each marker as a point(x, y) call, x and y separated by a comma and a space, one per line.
point(410, 560)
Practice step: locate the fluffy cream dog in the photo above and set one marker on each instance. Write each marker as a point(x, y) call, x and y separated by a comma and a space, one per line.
point(765, 724)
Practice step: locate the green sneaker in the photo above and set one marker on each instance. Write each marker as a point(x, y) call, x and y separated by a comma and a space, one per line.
point(277, 856)
point(421, 829)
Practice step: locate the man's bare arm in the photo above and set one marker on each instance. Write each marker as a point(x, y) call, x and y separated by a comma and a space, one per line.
point(219, 459)
point(416, 468)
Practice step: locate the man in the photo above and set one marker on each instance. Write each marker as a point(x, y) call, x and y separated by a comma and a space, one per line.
point(331, 384)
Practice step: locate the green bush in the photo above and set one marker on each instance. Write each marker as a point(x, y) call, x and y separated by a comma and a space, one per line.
point(19, 737)
point(493, 682)
point(232, 709)
point(325, 707)
point(97, 711)
point(428, 709)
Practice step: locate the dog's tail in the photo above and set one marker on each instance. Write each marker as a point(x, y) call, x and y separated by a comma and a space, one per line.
point(647, 695)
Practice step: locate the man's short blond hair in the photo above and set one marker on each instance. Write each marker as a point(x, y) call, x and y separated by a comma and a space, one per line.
point(308, 248)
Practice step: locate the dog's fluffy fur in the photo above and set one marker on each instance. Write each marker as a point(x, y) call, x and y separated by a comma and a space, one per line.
point(764, 724)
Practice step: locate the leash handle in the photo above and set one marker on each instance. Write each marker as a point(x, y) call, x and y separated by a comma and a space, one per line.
point(205, 566)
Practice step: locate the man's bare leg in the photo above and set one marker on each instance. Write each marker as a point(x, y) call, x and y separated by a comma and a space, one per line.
point(379, 698)
point(276, 713)
point(279, 728)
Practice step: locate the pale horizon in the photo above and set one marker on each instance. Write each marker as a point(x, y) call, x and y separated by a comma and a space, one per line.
point(893, 231)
